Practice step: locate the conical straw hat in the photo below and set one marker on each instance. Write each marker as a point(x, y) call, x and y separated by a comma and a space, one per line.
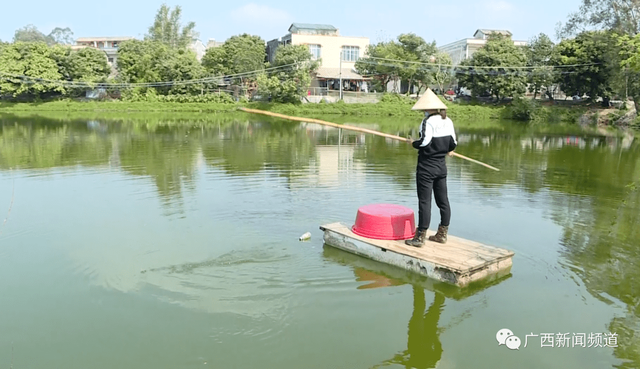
point(429, 101)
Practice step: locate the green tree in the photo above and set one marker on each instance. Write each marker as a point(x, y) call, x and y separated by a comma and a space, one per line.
point(32, 60)
point(137, 60)
point(181, 65)
point(30, 33)
point(540, 55)
point(440, 74)
point(622, 16)
point(383, 71)
point(630, 51)
point(291, 84)
point(239, 54)
point(89, 65)
point(595, 49)
point(168, 30)
point(403, 59)
point(242, 54)
point(61, 36)
point(415, 50)
point(86, 65)
point(629, 77)
point(152, 61)
point(495, 77)
point(215, 61)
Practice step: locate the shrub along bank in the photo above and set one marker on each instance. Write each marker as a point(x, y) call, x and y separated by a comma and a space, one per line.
point(390, 105)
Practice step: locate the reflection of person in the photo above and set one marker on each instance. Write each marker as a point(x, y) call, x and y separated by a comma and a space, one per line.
point(423, 346)
point(424, 349)
point(437, 138)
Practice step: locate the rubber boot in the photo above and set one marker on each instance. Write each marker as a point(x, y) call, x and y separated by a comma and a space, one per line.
point(441, 235)
point(418, 238)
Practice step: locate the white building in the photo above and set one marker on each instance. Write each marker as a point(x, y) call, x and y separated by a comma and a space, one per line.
point(337, 54)
point(107, 44)
point(465, 48)
point(198, 48)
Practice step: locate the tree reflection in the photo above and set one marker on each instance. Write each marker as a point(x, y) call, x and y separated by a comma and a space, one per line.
point(601, 238)
point(593, 181)
point(168, 157)
point(247, 147)
point(33, 144)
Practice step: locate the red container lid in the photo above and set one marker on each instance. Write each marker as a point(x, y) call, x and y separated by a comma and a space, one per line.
point(385, 222)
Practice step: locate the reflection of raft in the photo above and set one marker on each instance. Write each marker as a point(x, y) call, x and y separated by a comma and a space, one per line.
point(379, 275)
point(458, 262)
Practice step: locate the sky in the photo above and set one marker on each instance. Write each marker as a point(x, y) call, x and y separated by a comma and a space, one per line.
point(442, 21)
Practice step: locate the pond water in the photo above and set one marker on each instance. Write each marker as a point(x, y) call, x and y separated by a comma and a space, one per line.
point(173, 243)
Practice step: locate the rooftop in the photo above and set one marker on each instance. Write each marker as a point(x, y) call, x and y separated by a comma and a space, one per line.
point(90, 39)
point(309, 26)
point(493, 31)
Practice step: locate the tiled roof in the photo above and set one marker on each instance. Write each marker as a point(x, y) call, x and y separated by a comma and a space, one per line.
point(323, 27)
point(490, 31)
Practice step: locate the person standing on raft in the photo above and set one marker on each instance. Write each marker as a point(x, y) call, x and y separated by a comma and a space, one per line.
point(437, 139)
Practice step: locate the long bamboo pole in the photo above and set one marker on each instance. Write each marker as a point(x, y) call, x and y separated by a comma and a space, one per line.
point(356, 129)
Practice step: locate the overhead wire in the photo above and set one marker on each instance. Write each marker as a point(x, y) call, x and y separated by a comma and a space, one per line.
point(538, 70)
point(84, 84)
point(375, 61)
point(479, 67)
point(28, 79)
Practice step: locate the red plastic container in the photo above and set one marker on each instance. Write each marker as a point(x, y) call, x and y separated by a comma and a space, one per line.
point(385, 222)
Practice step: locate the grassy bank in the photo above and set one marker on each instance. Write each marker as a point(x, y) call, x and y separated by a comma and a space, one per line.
point(390, 106)
point(398, 108)
point(398, 125)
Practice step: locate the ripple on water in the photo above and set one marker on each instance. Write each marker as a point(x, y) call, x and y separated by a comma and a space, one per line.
point(254, 283)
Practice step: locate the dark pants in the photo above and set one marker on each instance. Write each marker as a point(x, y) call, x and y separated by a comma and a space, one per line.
point(426, 184)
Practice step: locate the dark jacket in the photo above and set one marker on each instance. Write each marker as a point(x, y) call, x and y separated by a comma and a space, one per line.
point(437, 139)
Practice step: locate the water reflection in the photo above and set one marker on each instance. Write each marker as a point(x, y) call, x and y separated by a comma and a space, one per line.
point(424, 349)
point(589, 185)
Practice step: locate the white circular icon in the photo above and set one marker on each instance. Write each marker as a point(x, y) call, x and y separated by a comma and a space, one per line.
point(513, 343)
point(502, 335)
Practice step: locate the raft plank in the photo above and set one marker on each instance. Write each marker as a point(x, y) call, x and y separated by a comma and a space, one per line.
point(459, 261)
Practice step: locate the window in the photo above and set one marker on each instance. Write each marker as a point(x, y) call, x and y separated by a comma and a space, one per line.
point(316, 51)
point(110, 60)
point(350, 53)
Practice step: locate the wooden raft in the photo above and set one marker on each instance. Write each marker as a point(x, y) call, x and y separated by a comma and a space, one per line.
point(457, 262)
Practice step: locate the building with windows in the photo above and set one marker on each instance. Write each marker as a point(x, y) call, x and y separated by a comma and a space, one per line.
point(465, 48)
point(107, 44)
point(337, 54)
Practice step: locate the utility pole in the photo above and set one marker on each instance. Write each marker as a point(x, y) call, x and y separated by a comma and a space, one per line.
point(340, 75)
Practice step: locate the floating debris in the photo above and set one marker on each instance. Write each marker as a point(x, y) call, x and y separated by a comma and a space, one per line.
point(305, 236)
